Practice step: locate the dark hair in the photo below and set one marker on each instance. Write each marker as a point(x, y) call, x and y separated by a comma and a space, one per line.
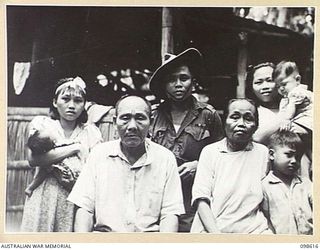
point(195, 70)
point(126, 96)
point(256, 114)
point(249, 79)
point(38, 144)
point(285, 68)
point(54, 114)
point(286, 138)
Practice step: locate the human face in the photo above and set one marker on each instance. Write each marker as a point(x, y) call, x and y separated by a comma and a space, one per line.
point(263, 86)
point(179, 83)
point(240, 122)
point(287, 83)
point(133, 121)
point(69, 104)
point(286, 161)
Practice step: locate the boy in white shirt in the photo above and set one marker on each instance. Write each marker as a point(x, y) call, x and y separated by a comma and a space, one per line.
point(287, 197)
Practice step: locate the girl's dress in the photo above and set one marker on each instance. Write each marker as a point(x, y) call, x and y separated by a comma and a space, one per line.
point(48, 210)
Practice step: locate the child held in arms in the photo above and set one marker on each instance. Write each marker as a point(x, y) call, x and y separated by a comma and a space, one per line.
point(297, 101)
point(42, 141)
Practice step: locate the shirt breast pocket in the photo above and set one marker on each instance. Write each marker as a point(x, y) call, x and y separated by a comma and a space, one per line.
point(151, 203)
point(198, 131)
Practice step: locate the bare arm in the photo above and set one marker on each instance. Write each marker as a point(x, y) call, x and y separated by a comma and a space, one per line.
point(83, 221)
point(207, 218)
point(54, 155)
point(169, 223)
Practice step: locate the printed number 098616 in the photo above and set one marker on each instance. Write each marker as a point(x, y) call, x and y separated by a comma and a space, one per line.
point(312, 245)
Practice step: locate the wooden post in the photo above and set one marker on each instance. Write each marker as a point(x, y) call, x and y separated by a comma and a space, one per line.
point(242, 65)
point(167, 35)
point(282, 16)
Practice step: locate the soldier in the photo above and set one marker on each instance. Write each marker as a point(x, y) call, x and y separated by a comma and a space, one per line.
point(181, 123)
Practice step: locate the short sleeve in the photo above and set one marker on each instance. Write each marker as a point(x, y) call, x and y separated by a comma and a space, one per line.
point(38, 123)
point(265, 161)
point(172, 202)
point(265, 202)
point(203, 181)
point(94, 136)
point(308, 188)
point(83, 192)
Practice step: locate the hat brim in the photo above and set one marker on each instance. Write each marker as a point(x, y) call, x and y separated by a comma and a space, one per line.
point(188, 57)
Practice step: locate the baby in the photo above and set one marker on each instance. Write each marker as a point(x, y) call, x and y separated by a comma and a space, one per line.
point(297, 102)
point(287, 198)
point(42, 141)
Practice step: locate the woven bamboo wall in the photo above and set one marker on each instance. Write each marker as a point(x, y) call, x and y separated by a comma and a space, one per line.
point(19, 173)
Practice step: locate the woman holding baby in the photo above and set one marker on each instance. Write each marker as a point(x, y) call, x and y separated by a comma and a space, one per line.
point(265, 86)
point(47, 208)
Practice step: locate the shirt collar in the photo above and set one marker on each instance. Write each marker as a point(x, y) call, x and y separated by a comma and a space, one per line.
point(145, 160)
point(198, 105)
point(275, 180)
point(77, 130)
point(195, 105)
point(191, 115)
point(224, 149)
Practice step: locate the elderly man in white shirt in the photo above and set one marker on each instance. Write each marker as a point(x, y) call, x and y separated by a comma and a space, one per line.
point(131, 184)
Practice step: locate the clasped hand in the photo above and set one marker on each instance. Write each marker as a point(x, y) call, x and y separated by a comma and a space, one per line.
point(64, 175)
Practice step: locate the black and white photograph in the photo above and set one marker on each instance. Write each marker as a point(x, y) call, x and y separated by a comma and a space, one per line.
point(166, 119)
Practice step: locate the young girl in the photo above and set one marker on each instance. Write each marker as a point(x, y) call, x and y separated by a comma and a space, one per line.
point(48, 210)
point(227, 189)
